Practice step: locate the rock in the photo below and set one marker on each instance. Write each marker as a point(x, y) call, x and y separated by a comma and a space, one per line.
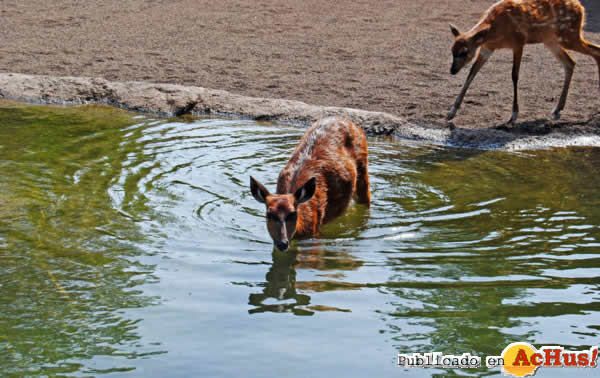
point(170, 100)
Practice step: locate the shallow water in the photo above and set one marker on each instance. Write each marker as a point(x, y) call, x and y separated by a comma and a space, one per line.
point(132, 245)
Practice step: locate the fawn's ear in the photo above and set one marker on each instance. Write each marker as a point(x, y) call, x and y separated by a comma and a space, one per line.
point(258, 190)
point(481, 35)
point(306, 191)
point(454, 30)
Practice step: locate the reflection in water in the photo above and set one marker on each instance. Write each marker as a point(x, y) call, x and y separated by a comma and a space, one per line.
point(482, 249)
point(281, 285)
point(134, 245)
point(321, 255)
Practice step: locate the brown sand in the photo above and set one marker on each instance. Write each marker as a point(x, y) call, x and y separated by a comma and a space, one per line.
point(391, 56)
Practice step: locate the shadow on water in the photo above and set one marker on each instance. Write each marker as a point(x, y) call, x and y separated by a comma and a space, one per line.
point(67, 281)
point(592, 11)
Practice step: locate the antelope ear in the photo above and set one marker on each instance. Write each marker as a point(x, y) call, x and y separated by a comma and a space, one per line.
point(306, 191)
point(481, 35)
point(454, 30)
point(259, 191)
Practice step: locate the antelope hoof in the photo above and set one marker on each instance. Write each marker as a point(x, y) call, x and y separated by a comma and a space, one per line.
point(513, 118)
point(451, 114)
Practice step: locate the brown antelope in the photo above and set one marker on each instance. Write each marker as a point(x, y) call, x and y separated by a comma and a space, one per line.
point(558, 24)
point(327, 169)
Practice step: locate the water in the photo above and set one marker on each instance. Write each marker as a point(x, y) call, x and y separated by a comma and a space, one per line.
point(132, 246)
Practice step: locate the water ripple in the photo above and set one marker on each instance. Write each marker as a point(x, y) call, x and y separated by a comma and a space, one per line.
point(115, 231)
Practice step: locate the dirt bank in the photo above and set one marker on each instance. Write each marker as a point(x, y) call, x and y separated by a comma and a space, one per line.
point(171, 99)
point(391, 56)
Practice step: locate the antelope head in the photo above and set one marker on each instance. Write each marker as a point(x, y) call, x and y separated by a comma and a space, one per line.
point(282, 210)
point(465, 46)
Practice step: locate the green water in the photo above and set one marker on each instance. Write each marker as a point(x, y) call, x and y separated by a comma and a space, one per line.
point(132, 245)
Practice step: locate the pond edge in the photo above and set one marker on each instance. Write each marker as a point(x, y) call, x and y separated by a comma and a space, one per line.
point(176, 100)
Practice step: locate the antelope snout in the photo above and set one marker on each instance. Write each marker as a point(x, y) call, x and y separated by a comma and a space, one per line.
point(282, 245)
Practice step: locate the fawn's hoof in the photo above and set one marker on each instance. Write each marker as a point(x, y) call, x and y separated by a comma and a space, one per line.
point(513, 118)
point(556, 114)
point(451, 114)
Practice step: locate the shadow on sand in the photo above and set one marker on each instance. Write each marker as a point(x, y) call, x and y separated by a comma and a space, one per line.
point(535, 134)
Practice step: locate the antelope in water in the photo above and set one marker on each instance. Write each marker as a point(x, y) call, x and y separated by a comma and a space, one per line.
point(558, 24)
point(327, 169)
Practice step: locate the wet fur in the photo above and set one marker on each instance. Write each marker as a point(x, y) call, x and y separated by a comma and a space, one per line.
point(334, 151)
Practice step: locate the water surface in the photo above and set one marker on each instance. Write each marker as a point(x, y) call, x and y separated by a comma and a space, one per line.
point(132, 245)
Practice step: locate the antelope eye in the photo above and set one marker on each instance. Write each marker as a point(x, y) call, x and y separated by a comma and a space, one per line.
point(272, 217)
point(291, 217)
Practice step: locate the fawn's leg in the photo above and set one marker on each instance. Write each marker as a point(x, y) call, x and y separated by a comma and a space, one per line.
point(584, 47)
point(482, 57)
point(569, 65)
point(517, 55)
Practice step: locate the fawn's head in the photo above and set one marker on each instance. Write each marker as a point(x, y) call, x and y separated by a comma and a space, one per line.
point(282, 210)
point(465, 46)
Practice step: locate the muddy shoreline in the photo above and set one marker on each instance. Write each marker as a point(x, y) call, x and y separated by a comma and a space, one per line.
point(171, 99)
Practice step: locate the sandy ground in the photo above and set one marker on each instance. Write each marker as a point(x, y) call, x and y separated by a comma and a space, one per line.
point(391, 56)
